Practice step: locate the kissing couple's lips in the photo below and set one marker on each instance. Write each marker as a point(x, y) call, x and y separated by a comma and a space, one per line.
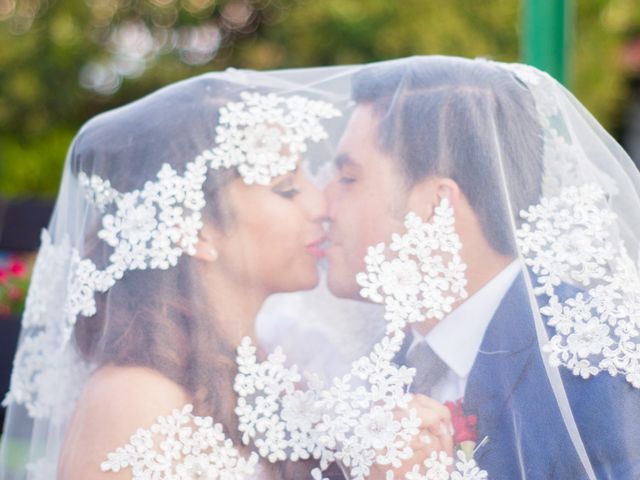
point(318, 247)
point(332, 241)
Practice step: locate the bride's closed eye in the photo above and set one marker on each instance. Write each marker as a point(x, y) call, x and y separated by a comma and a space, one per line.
point(290, 193)
point(286, 188)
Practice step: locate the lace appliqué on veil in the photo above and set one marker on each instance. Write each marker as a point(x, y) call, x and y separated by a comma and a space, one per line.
point(47, 325)
point(569, 238)
point(182, 446)
point(263, 135)
point(440, 466)
point(427, 275)
point(354, 420)
point(336, 423)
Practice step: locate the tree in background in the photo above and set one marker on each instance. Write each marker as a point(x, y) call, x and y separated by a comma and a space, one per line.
point(63, 61)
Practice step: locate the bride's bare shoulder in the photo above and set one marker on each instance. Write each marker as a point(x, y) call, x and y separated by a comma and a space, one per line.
point(114, 404)
point(132, 387)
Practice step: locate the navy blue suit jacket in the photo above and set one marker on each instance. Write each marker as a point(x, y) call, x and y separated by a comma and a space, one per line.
point(510, 392)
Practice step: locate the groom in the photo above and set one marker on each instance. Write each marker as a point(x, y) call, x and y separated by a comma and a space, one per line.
point(424, 130)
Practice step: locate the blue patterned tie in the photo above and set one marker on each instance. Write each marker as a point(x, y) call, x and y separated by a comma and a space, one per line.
point(429, 367)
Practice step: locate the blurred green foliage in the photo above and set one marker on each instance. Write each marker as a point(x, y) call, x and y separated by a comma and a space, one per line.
point(49, 49)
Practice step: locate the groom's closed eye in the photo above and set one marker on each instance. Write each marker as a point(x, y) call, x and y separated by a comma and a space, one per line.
point(348, 174)
point(346, 179)
point(347, 169)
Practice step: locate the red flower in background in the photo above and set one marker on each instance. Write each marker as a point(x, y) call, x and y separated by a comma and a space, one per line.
point(465, 427)
point(14, 281)
point(17, 268)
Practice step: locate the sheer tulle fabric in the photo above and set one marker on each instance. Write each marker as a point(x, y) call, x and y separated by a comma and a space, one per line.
point(415, 269)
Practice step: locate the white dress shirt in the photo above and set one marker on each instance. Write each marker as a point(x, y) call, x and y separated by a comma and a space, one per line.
point(456, 339)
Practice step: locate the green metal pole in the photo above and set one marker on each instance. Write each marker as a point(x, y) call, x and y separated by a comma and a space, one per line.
point(547, 34)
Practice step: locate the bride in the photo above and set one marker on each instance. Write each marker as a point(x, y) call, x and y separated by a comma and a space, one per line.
point(178, 216)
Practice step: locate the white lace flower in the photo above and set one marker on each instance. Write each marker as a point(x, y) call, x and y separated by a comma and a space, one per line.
point(300, 411)
point(316, 474)
point(98, 191)
point(426, 278)
point(589, 338)
point(440, 466)
point(262, 136)
point(377, 428)
point(401, 279)
point(181, 446)
point(582, 368)
point(47, 327)
point(437, 465)
point(347, 421)
point(568, 239)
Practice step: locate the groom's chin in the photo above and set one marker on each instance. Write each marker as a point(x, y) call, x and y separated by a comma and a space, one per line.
point(342, 284)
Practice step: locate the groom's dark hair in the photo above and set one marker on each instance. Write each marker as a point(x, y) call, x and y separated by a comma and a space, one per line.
point(435, 117)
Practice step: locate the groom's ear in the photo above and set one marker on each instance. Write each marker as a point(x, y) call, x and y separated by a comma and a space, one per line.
point(426, 195)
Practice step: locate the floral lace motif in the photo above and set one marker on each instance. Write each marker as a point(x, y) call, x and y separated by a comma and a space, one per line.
point(342, 422)
point(427, 276)
point(440, 466)
point(263, 135)
point(47, 326)
point(153, 227)
point(569, 239)
point(181, 446)
point(352, 421)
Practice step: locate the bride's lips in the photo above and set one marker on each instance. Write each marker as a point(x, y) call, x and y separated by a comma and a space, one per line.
point(318, 247)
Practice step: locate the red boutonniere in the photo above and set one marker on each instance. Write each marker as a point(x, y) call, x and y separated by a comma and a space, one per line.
point(465, 428)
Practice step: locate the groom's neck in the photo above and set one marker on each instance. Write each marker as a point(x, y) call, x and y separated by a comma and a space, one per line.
point(483, 264)
point(482, 260)
point(482, 271)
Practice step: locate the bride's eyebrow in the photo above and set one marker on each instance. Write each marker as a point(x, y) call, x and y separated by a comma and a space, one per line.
point(288, 179)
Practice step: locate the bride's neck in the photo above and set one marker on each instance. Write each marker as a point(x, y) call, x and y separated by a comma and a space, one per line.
point(233, 306)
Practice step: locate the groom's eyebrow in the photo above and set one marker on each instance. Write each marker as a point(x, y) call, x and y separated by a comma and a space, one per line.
point(344, 160)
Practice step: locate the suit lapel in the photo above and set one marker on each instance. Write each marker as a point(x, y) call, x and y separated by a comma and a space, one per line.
point(504, 352)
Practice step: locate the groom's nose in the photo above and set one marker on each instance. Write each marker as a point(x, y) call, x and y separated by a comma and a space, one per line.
point(330, 199)
point(316, 206)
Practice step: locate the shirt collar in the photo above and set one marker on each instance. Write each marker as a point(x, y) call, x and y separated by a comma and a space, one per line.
point(456, 339)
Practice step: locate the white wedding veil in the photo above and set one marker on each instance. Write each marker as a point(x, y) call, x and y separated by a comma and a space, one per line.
point(259, 257)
